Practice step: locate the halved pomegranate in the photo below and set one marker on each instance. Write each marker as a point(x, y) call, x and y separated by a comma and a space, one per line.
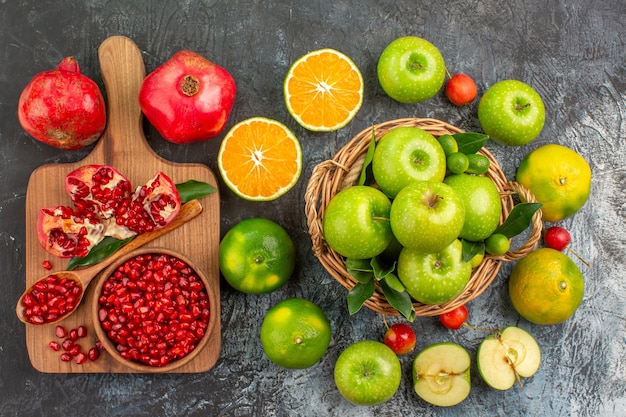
point(105, 205)
point(154, 205)
point(65, 233)
point(101, 192)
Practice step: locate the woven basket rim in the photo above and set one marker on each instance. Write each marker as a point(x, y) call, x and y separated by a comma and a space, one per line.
point(331, 176)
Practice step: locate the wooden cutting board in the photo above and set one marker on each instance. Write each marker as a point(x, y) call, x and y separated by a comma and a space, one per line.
point(124, 147)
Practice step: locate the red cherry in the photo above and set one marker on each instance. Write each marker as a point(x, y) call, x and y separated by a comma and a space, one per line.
point(400, 338)
point(454, 319)
point(557, 238)
point(461, 89)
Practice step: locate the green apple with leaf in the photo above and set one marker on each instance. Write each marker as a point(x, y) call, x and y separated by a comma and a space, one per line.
point(427, 216)
point(404, 155)
point(411, 69)
point(434, 278)
point(511, 112)
point(356, 222)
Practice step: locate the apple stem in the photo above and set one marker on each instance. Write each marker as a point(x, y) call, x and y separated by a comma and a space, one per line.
point(378, 218)
point(578, 256)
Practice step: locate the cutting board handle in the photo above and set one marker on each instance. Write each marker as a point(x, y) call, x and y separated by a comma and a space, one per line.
point(123, 72)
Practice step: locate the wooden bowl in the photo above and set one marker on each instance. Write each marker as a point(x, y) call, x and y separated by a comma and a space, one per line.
point(112, 349)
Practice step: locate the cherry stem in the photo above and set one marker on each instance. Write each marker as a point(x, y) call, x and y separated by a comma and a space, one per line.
point(448, 72)
point(486, 329)
point(578, 256)
point(385, 321)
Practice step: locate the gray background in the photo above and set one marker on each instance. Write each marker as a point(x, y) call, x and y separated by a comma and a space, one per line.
point(571, 51)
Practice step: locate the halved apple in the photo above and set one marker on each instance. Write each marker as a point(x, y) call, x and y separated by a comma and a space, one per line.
point(507, 356)
point(441, 374)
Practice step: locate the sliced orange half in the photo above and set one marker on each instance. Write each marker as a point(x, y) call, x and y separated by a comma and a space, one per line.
point(260, 159)
point(323, 90)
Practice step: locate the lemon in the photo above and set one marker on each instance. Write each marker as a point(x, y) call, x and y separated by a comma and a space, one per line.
point(546, 287)
point(257, 256)
point(295, 333)
point(559, 177)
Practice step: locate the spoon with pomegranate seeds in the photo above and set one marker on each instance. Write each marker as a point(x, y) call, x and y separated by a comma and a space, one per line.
point(57, 295)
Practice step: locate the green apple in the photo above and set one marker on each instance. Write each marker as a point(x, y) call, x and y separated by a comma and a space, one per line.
point(507, 356)
point(441, 374)
point(404, 155)
point(511, 112)
point(411, 69)
point(427, 216)
point(434, 278)
point(356, 222)
point(367, 373)
point(483, 206)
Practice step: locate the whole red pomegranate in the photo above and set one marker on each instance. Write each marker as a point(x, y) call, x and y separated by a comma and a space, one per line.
point(188, 98)
point(63, 107)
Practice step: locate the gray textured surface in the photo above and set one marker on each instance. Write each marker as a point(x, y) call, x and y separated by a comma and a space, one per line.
point(571, 51)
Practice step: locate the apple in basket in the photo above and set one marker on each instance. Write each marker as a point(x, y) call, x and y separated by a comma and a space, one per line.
point(356, 222)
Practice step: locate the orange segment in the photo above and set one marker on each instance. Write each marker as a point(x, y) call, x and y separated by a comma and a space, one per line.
point(323, 90)
point(260, 159)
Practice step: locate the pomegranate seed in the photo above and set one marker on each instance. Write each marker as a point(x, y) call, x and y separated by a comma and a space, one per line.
point(47, 265)
point(60, 332)
point(67, 344)
point(74, 335)
point(80, 358)
point(81, 331)
point(54, 346)
point(93, 354)
point(66, 357)
point(74, 350)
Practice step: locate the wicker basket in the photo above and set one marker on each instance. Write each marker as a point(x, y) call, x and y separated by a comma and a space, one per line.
point(331, 176)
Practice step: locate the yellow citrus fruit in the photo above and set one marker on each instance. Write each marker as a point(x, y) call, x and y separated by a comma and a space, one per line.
point(257, 256)
point(295, 333)
point(559, 177)
point(323, 90)
point(260, 159)
point(546, 286)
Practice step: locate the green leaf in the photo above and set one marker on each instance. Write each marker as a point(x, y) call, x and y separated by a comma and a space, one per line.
point(470, 142)
point(193, 189)
point(471, 249)
point(360, 269)
point(394, 282)
point(365, 170)
point(400, 300)
point(381, 270)
point(359, 294)
point(105, 248)
point(518, 219)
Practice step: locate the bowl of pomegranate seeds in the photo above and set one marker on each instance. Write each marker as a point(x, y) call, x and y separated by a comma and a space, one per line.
point(152, 310)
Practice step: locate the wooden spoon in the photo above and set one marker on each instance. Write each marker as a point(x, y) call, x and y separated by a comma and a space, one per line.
point(84, 276)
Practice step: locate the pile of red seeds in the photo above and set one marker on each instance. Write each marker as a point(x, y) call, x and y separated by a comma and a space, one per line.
point(72, 350)
point(154, 308)
point(50, 299)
